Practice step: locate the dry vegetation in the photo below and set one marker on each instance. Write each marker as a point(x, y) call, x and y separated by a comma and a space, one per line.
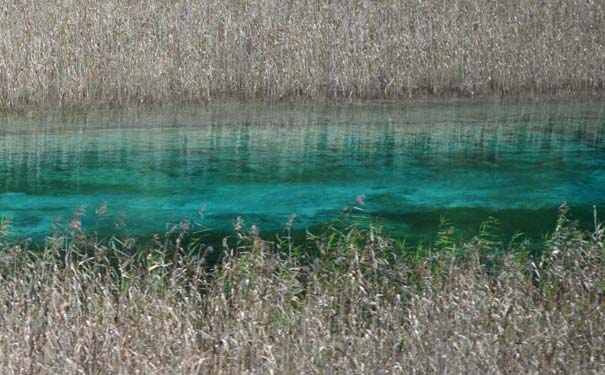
point(82, 53)
point(363, 305)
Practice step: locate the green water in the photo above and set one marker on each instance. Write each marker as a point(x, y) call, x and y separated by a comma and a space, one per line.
point(413, 163)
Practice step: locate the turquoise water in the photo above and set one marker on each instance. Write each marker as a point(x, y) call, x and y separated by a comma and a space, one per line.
point(412, 163)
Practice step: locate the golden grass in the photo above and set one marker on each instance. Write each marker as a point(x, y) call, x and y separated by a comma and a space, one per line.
point(83, 53)
point(362, 306)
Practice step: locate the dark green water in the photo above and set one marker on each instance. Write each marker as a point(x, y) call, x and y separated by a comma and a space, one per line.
point(413, 164)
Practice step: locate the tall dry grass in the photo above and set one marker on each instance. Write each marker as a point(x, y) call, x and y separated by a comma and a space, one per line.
point(363, 305)
point(81, 53)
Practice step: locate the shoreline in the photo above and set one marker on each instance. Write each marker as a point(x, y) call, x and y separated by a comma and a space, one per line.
point(227, 103)
point(30, 109)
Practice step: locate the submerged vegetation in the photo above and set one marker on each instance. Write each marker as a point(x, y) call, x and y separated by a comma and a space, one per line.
point(82, 53)
point(361, 303)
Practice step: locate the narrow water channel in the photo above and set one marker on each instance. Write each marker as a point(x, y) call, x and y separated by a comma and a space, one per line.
point(412, 164)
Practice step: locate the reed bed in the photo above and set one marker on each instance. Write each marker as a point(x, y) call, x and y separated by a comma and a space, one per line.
point(362, 303)
point(84, 53)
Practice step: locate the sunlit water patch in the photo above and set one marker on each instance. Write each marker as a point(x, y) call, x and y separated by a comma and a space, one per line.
point(412, 164)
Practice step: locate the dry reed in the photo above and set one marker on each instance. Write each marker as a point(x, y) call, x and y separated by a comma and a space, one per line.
point(83, 53)
point(362, 306)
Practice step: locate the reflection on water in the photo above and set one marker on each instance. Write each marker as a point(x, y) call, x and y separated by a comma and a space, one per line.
point(413, 164)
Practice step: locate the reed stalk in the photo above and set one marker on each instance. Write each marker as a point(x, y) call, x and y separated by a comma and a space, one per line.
point(83, 53)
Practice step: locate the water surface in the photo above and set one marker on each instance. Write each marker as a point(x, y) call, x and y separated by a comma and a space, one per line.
point(413, 164)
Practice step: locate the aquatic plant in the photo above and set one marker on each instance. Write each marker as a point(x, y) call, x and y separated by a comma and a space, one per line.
point(82, 53)
point(363, 304)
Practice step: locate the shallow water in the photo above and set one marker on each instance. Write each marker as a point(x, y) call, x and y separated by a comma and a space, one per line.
point(413, 164)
